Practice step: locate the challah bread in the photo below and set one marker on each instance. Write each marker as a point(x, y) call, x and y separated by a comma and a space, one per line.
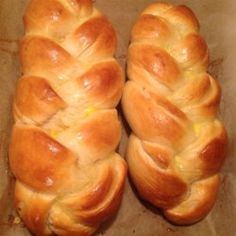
point(178, 144)
point(69, 179)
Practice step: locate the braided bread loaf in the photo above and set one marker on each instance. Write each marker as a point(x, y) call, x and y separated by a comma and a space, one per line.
point(178, 145)
point(68, 177)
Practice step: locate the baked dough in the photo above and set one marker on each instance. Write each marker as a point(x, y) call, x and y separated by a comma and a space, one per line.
point(69, 179)
point(178, 144)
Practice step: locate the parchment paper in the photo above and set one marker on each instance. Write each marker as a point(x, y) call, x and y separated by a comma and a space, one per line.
point(218, 26)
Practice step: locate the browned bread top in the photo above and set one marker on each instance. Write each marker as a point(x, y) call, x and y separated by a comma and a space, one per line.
point(62, 151)
point(178, 144)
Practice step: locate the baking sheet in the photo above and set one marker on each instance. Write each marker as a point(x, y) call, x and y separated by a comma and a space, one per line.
point(218, 20)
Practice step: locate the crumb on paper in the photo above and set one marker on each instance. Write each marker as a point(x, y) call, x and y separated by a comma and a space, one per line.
point(16, 220)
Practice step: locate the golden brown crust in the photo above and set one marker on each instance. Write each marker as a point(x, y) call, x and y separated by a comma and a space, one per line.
point(43, 102)
point(48, 56)
point(95, 33)
point(202, 198)
point(69, 179)
point(102, 84)
point(155, 61)
point(29, 147)
point(178, 144)
point(163, 187)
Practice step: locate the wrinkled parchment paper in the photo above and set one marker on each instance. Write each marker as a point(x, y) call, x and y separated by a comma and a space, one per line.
point(218, 21)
